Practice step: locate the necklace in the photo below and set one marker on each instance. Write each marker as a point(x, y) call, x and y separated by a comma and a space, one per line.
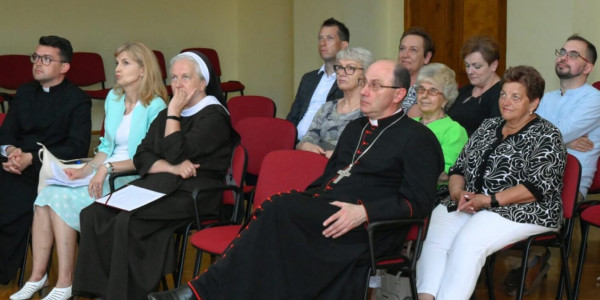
point(345, 172)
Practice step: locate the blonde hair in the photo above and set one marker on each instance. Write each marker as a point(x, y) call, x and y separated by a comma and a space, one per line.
point(152, 82)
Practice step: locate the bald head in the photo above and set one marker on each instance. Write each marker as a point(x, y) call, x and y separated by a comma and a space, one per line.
point(387, 83)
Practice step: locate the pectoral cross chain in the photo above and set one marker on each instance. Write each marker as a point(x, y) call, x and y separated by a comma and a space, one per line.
point(343, 173)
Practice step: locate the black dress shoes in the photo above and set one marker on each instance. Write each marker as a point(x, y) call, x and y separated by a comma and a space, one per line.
point(181, 293)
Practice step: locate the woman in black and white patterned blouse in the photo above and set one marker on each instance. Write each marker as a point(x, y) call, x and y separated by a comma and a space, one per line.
point(505, 186)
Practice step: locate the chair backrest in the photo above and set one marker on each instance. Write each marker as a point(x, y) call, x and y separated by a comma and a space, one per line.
point(596, 84)
point(15, 69)
point(286, 170)
point(595, 187)
point(261, 135)
point(570, 189)
point(212, 56)
point(235, 176)
point(160, 57)
point(87, 68)
point(236, 173)
point(250, 106)
point(2, 116)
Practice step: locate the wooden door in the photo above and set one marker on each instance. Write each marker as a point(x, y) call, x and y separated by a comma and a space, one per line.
point(451, 22)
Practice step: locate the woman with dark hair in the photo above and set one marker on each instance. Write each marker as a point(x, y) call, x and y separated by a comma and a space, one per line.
point(123, 254)
point(504, 187)
point(478, 100)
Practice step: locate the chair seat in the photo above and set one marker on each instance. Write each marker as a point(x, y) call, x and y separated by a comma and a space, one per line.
point(248, 189)
point(232, 86)
point(215, 240)
point(591, 215)
point(394, 261)
point(98, 94)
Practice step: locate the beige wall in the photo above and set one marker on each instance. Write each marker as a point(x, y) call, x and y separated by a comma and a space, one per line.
point(374, 25)
point(536, 27)
point(269, 44)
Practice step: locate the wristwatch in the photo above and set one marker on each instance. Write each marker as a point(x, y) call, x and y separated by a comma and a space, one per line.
point(494, 202)
point(109, 167)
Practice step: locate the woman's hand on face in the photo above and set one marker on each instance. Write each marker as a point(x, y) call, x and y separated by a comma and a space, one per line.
point(186, 169)
point(180, 100)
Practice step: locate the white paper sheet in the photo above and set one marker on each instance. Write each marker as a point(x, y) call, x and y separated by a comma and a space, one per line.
point(130, 198)
point(60, 178)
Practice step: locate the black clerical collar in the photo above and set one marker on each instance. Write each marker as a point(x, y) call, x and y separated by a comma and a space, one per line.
point(387, 120)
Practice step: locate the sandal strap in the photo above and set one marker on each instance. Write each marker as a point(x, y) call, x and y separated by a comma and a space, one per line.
point(29, 289)
point(59, 294)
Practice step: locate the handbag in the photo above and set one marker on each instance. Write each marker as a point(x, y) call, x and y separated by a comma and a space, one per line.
point(393, 287)
point(46, 157)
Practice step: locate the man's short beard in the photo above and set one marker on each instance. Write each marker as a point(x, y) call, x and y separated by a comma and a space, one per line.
point(566, 75)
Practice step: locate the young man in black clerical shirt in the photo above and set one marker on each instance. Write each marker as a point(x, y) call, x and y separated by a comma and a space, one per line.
point(52, 111)
point(313, 245)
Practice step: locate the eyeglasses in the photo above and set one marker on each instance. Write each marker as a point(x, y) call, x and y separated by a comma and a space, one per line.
point(572, 54)
point(431, 91)
point(516, 98)
point(46, 60)
point(349, 70)
point(374, 85)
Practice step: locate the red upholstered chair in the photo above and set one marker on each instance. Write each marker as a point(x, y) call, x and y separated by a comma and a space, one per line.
point(250, 106)
point(160, 57)
point(2, 116)
point(596, 84)
point(232, 204)
point(261, 135)
point(560, 239)
point(589, 214)
point(281, 171)
point(15, 70)
point(595, 187)
point(87, 69)
point(228, 86)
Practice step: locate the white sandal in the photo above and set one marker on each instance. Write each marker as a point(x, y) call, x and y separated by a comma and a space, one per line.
point(29, 289)
point(59, 294)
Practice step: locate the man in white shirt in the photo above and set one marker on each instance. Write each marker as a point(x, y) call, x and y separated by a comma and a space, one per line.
point(319, 86)
point(575, 109)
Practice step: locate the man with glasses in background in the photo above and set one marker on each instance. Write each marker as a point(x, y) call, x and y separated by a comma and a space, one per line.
point(575, 109)
point(384, 167)
point(52, 111)
point(319, 86)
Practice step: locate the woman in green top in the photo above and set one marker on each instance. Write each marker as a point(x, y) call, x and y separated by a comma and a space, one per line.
point(437, 90)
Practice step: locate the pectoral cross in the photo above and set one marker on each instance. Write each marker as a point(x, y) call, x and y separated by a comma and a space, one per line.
point(343, 173)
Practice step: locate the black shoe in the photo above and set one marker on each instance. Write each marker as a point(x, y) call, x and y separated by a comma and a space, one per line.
point(181, 293)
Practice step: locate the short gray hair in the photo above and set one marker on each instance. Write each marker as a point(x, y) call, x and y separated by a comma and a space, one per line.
point(440, 75)
point(358, 54)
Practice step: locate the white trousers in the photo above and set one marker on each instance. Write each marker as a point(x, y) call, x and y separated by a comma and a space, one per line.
point(457, 245)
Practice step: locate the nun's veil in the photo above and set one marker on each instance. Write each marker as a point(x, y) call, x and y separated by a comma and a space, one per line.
point(214, 85)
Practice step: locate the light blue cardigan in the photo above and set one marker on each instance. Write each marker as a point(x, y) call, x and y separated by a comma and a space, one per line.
point(114, 107)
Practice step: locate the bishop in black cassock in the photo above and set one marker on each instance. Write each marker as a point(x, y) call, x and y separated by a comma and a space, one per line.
point(387, 167)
